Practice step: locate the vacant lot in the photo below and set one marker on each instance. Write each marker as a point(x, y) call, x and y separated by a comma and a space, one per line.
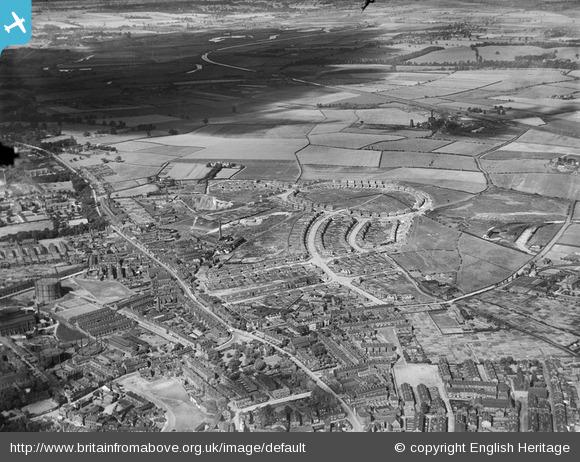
point(169, 394)
point(484, 263)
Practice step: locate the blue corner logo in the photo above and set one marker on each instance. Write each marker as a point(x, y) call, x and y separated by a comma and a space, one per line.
point(15, 22)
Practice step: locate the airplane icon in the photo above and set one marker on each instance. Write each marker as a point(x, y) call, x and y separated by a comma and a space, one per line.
point(18, 22)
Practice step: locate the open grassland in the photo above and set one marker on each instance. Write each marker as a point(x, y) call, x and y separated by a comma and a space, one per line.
point(429, 261)
point(443, 196)
point(427, 234)
point(484, 263)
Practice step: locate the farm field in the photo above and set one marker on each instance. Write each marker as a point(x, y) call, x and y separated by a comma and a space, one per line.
point(185, 171)
point(142, 190)
point(509, 53)
point(464, 181)
point(536, 147)
point(465, 148)
point(267, 170)
point(349, 140)
point(517, 166)
point(547, 138)
point(416, 145)
point(508, 206)
point(322, 155)
point(519, 155)
point(244, 148)
point(545, 184)
point(571, 236)
point(393, 159)
point(390, 116)
point(561, 254)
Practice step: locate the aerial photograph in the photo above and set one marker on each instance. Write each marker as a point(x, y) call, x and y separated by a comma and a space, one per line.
point(291, 216)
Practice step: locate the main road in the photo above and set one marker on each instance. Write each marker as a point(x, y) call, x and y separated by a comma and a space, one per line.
point(357, 426)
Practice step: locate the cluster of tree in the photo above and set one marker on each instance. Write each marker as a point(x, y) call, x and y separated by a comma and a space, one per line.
point(47, 233)
point(84, 194)
point(54, 177)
